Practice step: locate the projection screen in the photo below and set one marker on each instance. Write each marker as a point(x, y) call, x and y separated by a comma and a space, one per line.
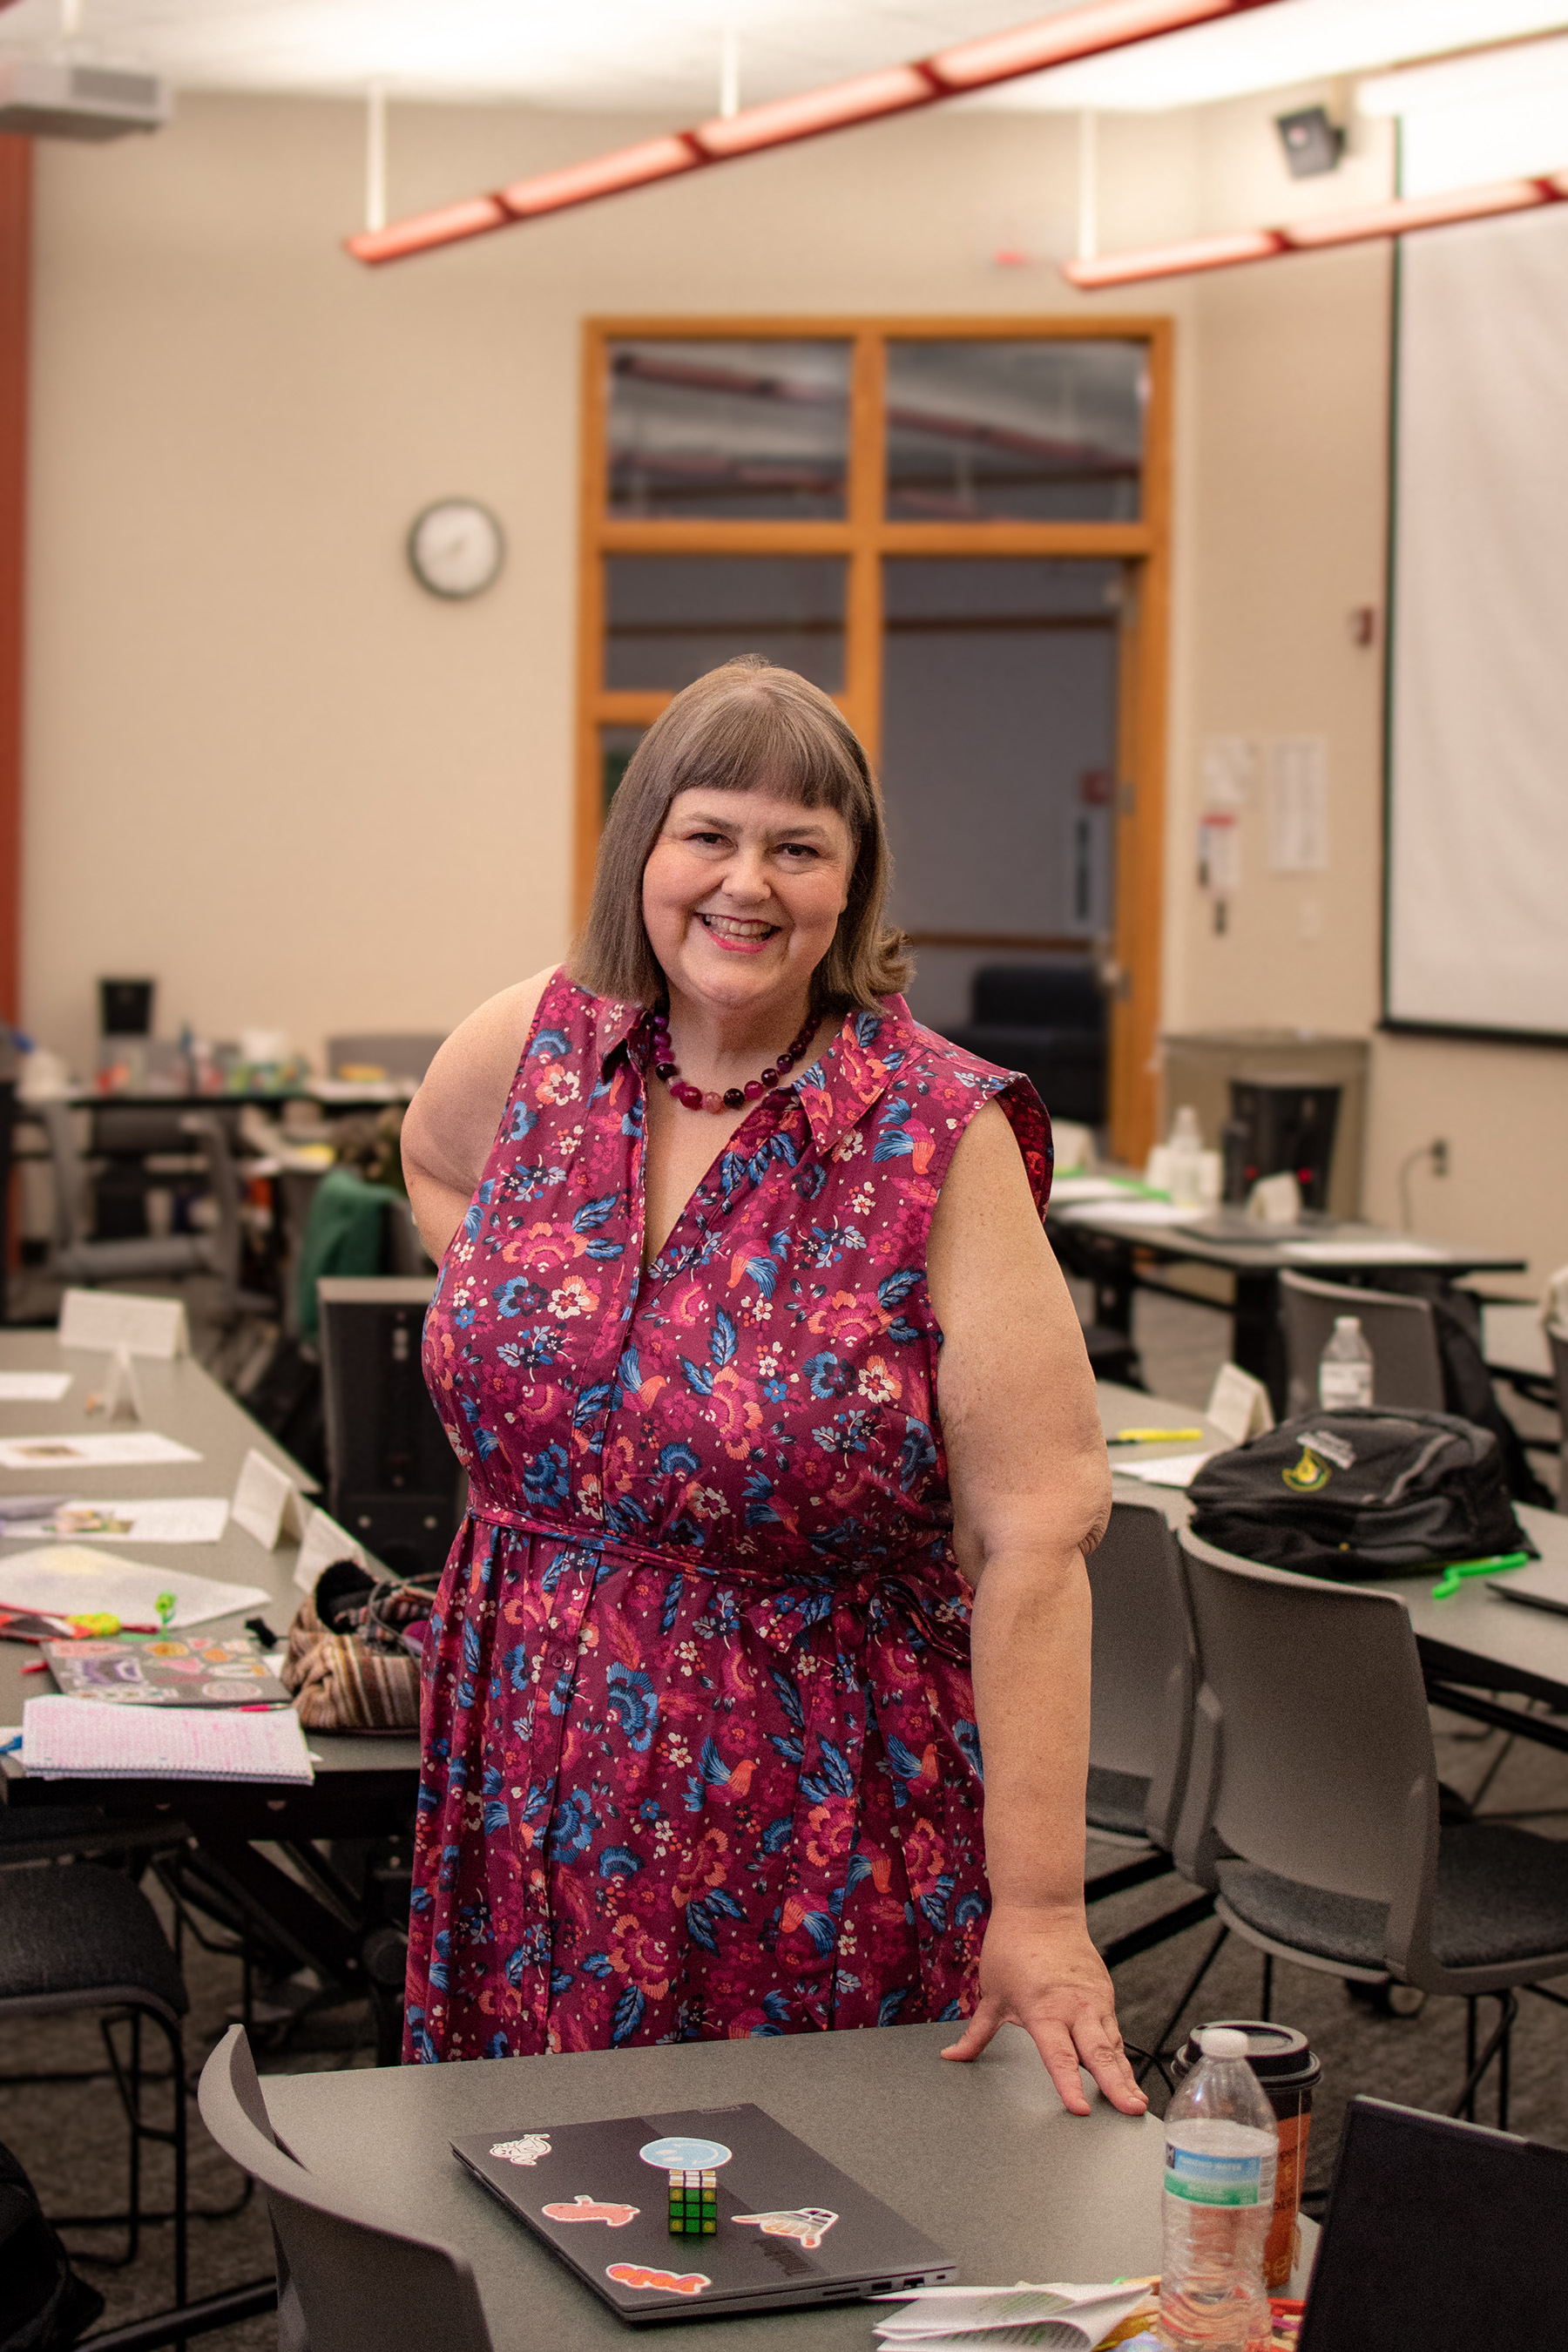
point(1477, 931)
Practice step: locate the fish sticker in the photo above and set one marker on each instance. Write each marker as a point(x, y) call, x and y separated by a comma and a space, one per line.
point(527, 2151)
point(809, 2223)
point(665, 2282)
point(585, 2208)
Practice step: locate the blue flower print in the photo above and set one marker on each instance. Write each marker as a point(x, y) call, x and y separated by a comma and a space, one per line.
point(634, 1702)
point(572, 1831)
point(827, 1376)
point(517, 1296)
point(545, 1479)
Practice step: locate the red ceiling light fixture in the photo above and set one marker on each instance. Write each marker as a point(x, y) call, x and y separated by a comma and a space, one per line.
point(1084, 32)
point(1398, 218)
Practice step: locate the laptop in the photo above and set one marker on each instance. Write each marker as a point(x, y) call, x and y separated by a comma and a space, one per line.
point(1438, 2234)
point(710, 2211)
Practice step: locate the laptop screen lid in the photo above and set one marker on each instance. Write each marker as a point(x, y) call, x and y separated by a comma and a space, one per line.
point(1441, 2234)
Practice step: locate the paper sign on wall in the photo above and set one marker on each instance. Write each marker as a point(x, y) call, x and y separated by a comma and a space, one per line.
point(1299, 805)
point(1219, 853)
point(1228, 767)
point(105, 1318)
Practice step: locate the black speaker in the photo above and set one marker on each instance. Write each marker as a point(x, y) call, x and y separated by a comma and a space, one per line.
point(392, 1479)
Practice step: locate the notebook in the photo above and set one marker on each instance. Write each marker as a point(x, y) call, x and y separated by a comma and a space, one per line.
point(79, 1739)
point(764, 2222)
point(1442, 2235)
point(207, 1671)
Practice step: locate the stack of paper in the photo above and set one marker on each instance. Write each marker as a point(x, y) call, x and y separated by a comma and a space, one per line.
point(77, 1739)
point(1058, 2317)
point(67, 1581)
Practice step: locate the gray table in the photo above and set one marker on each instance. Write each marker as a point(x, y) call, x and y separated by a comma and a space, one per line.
point(982, 2157)
point(365, 1785)
point(1099, 1241)
point(1471, 1643)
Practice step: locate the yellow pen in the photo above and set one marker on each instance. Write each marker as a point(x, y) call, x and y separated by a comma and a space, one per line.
point(1154, 1436)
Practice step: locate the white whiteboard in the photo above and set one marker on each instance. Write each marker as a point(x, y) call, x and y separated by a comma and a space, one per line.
point(1478, 848)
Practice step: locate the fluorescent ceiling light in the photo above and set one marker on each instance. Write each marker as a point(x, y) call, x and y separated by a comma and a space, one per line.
point(1521, 69)
point(1301, 42)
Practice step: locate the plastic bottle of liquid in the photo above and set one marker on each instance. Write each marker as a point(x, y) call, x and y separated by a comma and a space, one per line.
point(1185, 1160)
point(1344, 1368)
point(1222, 2148)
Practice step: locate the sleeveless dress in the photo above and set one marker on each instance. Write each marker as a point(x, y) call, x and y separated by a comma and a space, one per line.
point(699, 1753)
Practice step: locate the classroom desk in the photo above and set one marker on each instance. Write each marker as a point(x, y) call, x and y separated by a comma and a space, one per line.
point(365, 1785)
point(1471, 1644)
point(1101, 1240)
point(982, 2157)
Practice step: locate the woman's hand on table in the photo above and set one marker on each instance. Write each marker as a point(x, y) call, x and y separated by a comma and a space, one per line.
point(1039, 1969)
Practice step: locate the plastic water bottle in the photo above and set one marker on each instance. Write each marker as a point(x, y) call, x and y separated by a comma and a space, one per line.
point(1185, 1160)
point(1344, 1368)
point(1222, 2149)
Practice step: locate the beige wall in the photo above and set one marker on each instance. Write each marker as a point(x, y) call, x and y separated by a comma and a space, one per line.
point(264, 765)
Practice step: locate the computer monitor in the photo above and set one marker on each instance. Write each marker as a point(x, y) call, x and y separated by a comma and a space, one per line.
point(1438, 2234)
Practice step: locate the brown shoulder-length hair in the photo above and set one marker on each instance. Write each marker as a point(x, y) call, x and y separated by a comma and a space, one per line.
point(740, 728)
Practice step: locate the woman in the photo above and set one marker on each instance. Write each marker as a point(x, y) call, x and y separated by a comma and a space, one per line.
point(706, 1691)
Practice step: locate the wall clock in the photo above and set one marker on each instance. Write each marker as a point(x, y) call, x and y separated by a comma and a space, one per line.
point(456, 548)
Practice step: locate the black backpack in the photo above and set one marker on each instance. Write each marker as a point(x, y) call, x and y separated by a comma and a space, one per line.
point(45, 2307)
point(1359, 1494)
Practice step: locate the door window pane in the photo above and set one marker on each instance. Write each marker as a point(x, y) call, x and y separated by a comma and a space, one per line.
point(672, 617)
point(999, 744)
point(736, 429)
point(1037, 431)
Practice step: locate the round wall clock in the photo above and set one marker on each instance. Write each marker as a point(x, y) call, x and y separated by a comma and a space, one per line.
point(456, 548)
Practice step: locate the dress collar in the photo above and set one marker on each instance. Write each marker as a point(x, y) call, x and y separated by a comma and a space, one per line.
point(839, 1087)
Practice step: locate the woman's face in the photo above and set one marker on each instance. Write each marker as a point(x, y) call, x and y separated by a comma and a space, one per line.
point(741, 895)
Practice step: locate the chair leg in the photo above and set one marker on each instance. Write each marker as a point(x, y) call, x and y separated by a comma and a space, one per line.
point(1467, 2109)
point(1497, 2047)
point(1266, 1999)
point(1162, 2038)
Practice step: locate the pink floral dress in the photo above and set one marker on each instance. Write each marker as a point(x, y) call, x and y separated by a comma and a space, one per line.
point(699, 1753)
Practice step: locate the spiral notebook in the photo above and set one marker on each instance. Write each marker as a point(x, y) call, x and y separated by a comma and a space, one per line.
point(80, 1739)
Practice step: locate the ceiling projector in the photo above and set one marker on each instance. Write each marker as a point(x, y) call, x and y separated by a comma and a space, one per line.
point(43, 98)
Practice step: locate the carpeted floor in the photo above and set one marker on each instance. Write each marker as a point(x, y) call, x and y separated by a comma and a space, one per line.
point(71, 2138)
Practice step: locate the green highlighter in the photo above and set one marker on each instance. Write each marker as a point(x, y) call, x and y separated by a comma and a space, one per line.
point(1456, 1570)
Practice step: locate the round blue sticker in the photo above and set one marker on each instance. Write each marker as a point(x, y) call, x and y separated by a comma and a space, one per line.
point(685, 2155)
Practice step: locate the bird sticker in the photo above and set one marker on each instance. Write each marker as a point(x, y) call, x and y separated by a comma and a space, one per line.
point(585, 2208)
point(527, 2151)
point(663, 2282)
point(809, 2223)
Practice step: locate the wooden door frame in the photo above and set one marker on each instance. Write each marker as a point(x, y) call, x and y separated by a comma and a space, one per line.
point(864, 537)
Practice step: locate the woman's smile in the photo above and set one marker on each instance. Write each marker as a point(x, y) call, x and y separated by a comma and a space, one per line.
point(737, 935)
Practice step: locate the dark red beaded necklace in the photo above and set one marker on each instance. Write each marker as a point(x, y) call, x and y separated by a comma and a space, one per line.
point(733, 1097)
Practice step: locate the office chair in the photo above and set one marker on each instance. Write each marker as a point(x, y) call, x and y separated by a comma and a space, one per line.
point(1143, 1677)
point(1407, 1363)
point(1312, 1811)
point(85, 1938)
point(348, 2279)
point(401, 1056)
point(1557, 1340)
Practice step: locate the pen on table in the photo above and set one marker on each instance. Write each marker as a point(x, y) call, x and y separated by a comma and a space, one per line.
point(10, 1746)
point(1154, 1437)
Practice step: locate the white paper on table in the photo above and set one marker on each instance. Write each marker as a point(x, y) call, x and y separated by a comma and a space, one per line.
point(1171, 1470)
point(1086, 1188)
point(1386, 1249)
point(75, 1739)
point(173, 1519)
point(1056, 2315)
point(69, 1581)
point(109, 1449)
point(33, 1388)
point(325, 1541)
point(113, 1319)
point(1137, 1212)
point(266, 1503)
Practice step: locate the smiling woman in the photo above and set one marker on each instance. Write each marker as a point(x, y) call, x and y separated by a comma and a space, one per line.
point(735, 1612)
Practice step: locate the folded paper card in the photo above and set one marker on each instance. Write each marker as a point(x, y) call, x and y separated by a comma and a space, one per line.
point(69, 1581)
point(77, 1739)
point(109, 1318)
point(266, 1503)
point(324, 1542)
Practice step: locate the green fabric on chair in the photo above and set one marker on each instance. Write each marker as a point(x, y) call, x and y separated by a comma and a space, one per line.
point(346, 1234)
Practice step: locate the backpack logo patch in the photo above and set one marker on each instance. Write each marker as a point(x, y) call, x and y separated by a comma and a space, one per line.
point(1305, 1478)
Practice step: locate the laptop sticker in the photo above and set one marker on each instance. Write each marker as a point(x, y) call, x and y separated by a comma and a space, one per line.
point(663, 2282)
point(809, 2223)
point(585, 2208)
point(527, 2151)
point(679, 2155)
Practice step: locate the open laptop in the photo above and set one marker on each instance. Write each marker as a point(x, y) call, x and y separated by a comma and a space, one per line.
point(764, 2222)
point(1438, 2234)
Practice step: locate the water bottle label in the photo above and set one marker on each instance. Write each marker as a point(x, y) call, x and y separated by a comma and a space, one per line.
point(1343, 1386)
point(1205, 2179)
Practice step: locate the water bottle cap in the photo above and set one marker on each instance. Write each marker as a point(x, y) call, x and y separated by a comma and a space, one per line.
point(1347, 1322)
point(1222, 2042)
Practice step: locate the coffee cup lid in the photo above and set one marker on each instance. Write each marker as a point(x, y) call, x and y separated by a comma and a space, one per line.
point(1280, 2055)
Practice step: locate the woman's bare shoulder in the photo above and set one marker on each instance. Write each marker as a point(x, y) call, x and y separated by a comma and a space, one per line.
point(452, 1120)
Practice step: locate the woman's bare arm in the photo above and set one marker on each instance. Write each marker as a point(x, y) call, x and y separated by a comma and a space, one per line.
point(1031, 1494)
point(451, 1122)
